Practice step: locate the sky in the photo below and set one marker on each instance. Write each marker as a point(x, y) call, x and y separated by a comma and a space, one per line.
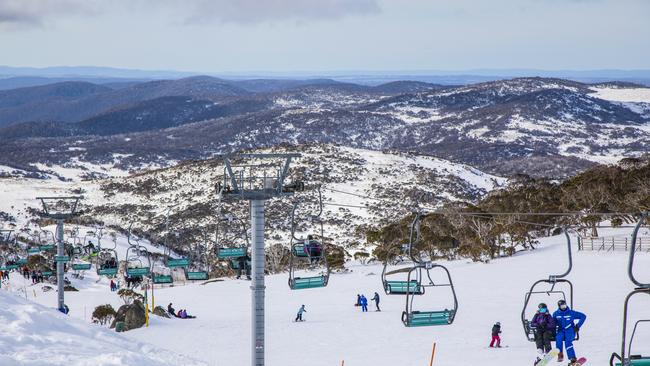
point(221, 36)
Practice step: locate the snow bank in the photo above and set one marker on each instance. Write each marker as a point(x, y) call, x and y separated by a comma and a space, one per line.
point(34, 335)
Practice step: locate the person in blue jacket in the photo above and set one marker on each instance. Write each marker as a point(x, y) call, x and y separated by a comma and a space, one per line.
point(567, 328)
point(364, 304)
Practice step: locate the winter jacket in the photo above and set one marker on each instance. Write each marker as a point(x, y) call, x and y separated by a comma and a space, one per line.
point(302, 310)
point(496, 329)
point(565, 320)
point(543, 321)
point(376, 298)
point(364, 301)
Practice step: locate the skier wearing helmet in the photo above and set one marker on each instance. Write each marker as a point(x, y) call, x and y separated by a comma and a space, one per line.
point(543, 326)
point(566, 330)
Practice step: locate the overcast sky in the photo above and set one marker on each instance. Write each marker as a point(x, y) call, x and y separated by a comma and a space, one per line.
point(326, 35)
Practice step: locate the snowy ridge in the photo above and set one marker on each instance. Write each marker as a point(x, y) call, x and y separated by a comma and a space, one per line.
point(32, 334)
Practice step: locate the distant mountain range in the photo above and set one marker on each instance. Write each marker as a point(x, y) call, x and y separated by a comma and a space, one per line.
point(446, 77)
point(538, 126)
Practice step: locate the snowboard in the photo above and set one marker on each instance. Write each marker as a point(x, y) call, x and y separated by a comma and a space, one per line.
point(548, 358)
point(581, 361)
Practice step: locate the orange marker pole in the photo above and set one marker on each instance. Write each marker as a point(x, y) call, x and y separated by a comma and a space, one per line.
point(433, 353)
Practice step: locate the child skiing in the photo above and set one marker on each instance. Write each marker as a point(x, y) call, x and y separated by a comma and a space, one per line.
point(300, 311)
point(544, 330)
point(496, 330)
point(567, 328)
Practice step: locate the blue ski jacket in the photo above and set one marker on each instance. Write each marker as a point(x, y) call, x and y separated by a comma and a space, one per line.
point(565, 320)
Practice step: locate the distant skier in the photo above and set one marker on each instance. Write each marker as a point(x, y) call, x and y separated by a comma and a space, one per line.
point(376, 300)
point(113, 286)
point(566, 330)
point(544, 329)
point(358, 300)
point(496, 330)
point(364, 303)
point(299, 315)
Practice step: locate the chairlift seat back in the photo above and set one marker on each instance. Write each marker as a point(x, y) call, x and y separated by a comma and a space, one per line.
point(196, 275)
point(427, 318)
point(300, 283)
point(402, 287)
point(162, 279)
point(178, 262)
point(81, 266)
point(231, 252)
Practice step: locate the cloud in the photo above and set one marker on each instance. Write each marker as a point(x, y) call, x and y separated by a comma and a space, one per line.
point(256, 11)
point(36, 13)
point(26, 13)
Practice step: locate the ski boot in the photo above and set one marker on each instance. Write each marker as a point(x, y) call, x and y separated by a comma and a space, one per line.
point(574, 362)
point(560, 357)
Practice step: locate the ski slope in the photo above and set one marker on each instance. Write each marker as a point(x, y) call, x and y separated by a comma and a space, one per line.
point(335, 330)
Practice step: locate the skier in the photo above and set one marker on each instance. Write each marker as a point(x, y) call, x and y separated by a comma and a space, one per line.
point(300, 311)
point(358, 300)
point(566, 326)
point(544, 329)
point(171, 310)
point(496, 330)
point(364, 303)
point(376, 300)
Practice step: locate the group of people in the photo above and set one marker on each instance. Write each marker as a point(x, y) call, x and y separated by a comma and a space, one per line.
point(362, 302)
point(109, 263)
point(182, 313)
point(4, 275)
point(37, 277)
point(562, 326)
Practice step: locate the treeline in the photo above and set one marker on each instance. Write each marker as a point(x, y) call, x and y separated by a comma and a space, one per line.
point(605, 192)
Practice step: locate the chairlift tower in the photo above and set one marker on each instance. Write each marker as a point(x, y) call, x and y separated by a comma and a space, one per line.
point(60, 209)
point(263, 178)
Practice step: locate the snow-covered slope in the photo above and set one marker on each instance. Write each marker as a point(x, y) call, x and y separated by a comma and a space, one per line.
point(32, 334)
point(335, 330)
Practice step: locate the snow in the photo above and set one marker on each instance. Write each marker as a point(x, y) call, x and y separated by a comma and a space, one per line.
point(636, 95)
point(335, 330)
point(32, 334)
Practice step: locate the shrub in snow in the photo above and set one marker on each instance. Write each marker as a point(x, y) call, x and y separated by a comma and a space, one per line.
point(129, 296)
point(103, 314)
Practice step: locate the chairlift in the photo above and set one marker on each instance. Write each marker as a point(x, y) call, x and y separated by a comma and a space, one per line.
point(555, 285)
point(138, 259)
point(420, 274)
point(310, 252)
point(626, 357)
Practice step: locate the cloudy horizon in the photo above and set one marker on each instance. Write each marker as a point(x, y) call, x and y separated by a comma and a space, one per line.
point(284, 36)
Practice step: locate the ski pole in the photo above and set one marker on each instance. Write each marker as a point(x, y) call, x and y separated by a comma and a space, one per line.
point(433, 353)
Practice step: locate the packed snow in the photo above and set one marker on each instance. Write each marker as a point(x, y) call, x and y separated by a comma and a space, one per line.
point(335, 330)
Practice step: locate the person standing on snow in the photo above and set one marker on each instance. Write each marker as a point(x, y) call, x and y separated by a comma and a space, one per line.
point(543, 324)
point(376, 300)
point(364, 303)
point(300, 311)
point(566, 329)
point(358, 300)
point(496, 330)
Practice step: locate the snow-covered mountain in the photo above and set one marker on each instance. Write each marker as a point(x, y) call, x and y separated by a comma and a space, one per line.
point(537, 126)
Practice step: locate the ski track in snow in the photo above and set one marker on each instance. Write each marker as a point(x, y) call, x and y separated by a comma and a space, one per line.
point(335, 330)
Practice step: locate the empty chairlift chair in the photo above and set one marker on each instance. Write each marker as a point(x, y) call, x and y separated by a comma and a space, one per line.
point(415, 318)
point(394, 285)
point(626, 357)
